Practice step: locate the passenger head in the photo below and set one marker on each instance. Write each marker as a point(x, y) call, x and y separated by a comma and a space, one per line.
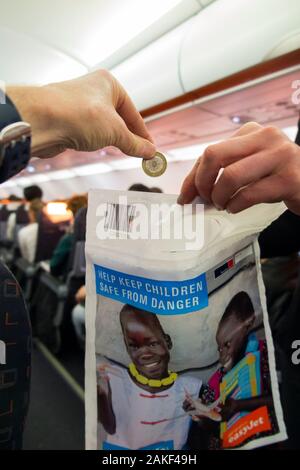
point(14, 198)
point(139, 187)
point(35, 208)
point(154, 189)
point(32, 192)
point(76, 202)
point(147, 344)
point(234, 328)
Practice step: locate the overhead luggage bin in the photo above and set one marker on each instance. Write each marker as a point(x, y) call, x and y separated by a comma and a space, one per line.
point(151, 76)
point(231, 35)
point(224, 38)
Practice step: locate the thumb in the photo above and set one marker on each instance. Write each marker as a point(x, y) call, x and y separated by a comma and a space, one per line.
point(188, 190)
point(133, 144)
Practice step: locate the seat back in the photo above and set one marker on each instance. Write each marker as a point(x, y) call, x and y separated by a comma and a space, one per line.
point(76, 262)
point(15, 361)
point(49, 235)
point(4, 214)
point(3, 229)
point(78, 267)
point(80, 224)
point(22, 216)
point(53, 322)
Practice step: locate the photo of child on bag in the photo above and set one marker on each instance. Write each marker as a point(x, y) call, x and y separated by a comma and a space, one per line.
point(141, 407)
point(244, 366)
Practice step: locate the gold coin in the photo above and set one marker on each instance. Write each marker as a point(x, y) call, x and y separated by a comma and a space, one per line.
point(156, 166)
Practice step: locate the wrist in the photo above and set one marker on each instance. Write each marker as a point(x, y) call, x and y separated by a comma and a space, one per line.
point(40, 108)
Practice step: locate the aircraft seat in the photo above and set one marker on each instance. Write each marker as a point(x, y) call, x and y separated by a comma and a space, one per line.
point(54, 298)
point(26, 273)
point(15, 342)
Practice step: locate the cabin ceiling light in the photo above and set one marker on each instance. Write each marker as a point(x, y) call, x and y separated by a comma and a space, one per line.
point(241, 119)
point(126, 163)
point(61, 175)
point(30, 169)
point(236, 119)
point(23, 181)
point(39, 178)
point(92, 169)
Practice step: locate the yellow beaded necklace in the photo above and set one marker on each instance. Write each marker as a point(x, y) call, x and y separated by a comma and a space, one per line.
point(152, 382)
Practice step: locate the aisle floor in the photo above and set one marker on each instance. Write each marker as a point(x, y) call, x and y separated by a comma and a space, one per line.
point(56, 414)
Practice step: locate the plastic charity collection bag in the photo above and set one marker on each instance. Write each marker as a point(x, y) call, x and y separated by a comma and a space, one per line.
point(179, 352)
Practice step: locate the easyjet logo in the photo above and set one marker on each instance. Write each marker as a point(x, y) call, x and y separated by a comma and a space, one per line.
point(252, 423)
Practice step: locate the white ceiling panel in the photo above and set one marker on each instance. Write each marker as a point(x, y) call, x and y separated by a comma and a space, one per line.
point(91, 31)
point(26, 60)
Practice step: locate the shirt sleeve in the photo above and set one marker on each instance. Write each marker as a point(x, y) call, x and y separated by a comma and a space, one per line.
point(282, 237)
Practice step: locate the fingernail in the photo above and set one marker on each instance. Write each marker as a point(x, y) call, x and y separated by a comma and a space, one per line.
point(149, 150)
point(219, 208)
point(228, 211)
point(180, 199)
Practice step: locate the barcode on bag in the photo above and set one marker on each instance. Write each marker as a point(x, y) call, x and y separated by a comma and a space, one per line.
point(119, 217)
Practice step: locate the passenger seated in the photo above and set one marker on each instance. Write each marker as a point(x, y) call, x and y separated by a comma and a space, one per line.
point(14, 203)
point(59, 265)
point(155, 189)
point(30, 194)
point(27, 236)
point(144, 189)
point(139, 187)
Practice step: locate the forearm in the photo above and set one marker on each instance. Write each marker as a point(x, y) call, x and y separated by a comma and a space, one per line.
point(251, 404)
point(39, 106)
point(106, 414)
point(208, 425)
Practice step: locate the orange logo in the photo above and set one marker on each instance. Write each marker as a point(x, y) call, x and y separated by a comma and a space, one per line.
point(251, 424)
